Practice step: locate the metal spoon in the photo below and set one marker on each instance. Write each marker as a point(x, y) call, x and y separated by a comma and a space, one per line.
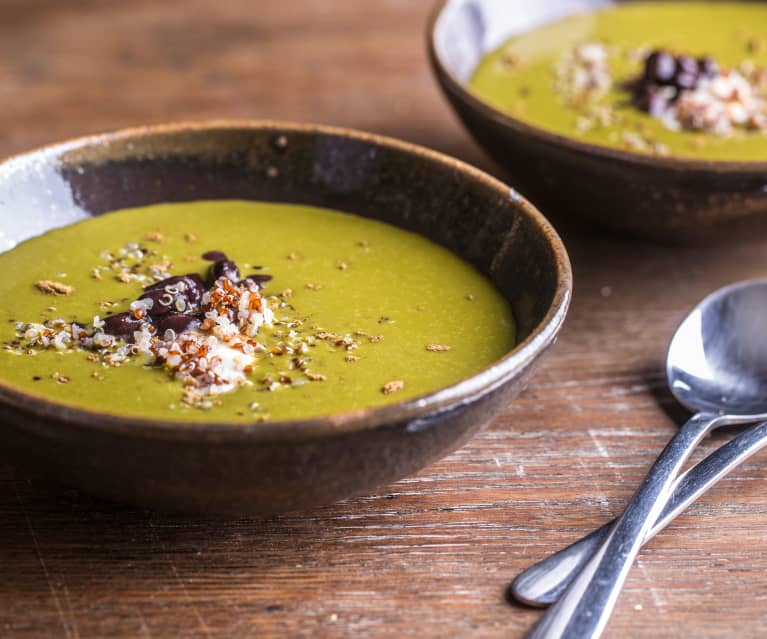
point(717, 366)
point(543, 583)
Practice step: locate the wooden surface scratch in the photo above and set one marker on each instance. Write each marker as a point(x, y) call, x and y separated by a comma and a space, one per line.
point(431, 555)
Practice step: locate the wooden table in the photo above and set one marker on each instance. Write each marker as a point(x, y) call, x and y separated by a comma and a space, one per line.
point(429, 556)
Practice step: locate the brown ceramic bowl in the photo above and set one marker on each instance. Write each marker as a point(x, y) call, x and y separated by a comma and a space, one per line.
point(670, 199)
point(265, 468)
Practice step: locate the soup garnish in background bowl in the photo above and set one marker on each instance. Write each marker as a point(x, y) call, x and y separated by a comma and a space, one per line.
point(263, 467)
point(669, 197)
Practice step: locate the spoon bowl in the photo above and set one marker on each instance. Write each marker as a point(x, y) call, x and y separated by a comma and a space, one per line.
point(717, 360)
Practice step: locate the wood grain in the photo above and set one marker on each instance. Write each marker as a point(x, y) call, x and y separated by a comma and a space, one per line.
point(429, 556)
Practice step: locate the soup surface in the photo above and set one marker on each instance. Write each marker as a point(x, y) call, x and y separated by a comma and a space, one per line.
point(342, 313)
point(668, 78)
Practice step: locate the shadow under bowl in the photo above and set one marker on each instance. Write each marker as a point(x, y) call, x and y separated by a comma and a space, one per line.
point(669, 199)
point(265, 468)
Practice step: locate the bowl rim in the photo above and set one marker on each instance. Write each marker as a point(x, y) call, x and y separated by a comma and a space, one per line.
point(427, 405)
point(476, 102)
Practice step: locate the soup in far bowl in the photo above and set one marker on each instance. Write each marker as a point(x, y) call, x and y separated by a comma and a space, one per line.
point(666, 78)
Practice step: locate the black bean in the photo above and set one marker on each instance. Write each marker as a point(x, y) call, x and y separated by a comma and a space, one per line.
point(191, 294)
point(225, 268)
point(177, 322)
point(686, 64)
point(686, 80)
point(162, 301)
point(652, 102)
point(660, 67)
point(122, 324)
point(214, 256)
point(257, 278)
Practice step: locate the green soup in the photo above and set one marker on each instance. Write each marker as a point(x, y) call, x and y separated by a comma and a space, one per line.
point(383, 314)
point(523, 76)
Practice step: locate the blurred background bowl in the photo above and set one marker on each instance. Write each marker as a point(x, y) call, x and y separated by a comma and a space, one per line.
point(266, 468)
point(668, 199)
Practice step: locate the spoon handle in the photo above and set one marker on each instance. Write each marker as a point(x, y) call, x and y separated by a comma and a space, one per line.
point(543, 583)
point(584, 608)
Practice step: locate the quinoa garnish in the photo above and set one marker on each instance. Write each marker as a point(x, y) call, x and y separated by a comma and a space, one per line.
point(511, 60)
point(163, 266)
point(437, 348)
point(287, 292)
point(389, 388)
point(352, 358)
point(155, 237)
point(470, 297)
point(341, 265)
point(59, 378)
point(190, 237)
point(316, 377)
point(50, 287)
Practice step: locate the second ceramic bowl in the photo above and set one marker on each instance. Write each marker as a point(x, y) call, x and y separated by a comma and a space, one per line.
point(669, 199)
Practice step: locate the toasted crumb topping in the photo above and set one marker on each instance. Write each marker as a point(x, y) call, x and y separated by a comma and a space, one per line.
point(437, 348)
point(389, 388)
point(50, 287)
point(59, 378)
point(162, 267)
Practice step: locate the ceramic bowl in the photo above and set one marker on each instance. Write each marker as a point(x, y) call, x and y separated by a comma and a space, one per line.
point(266, 468)
point(664, 198)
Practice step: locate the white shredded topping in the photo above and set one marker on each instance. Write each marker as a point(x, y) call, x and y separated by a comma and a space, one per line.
point(583, 73)
point(719, 105)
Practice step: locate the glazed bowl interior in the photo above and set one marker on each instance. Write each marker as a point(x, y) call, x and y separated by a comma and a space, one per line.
point(270, 467)
point(467, 30)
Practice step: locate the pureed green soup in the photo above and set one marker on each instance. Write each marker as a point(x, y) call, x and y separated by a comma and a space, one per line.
point(667, 78)
point(283, 311)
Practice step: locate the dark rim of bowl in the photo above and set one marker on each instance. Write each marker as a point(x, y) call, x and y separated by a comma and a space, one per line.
point(427, 405)
point(488, 110)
